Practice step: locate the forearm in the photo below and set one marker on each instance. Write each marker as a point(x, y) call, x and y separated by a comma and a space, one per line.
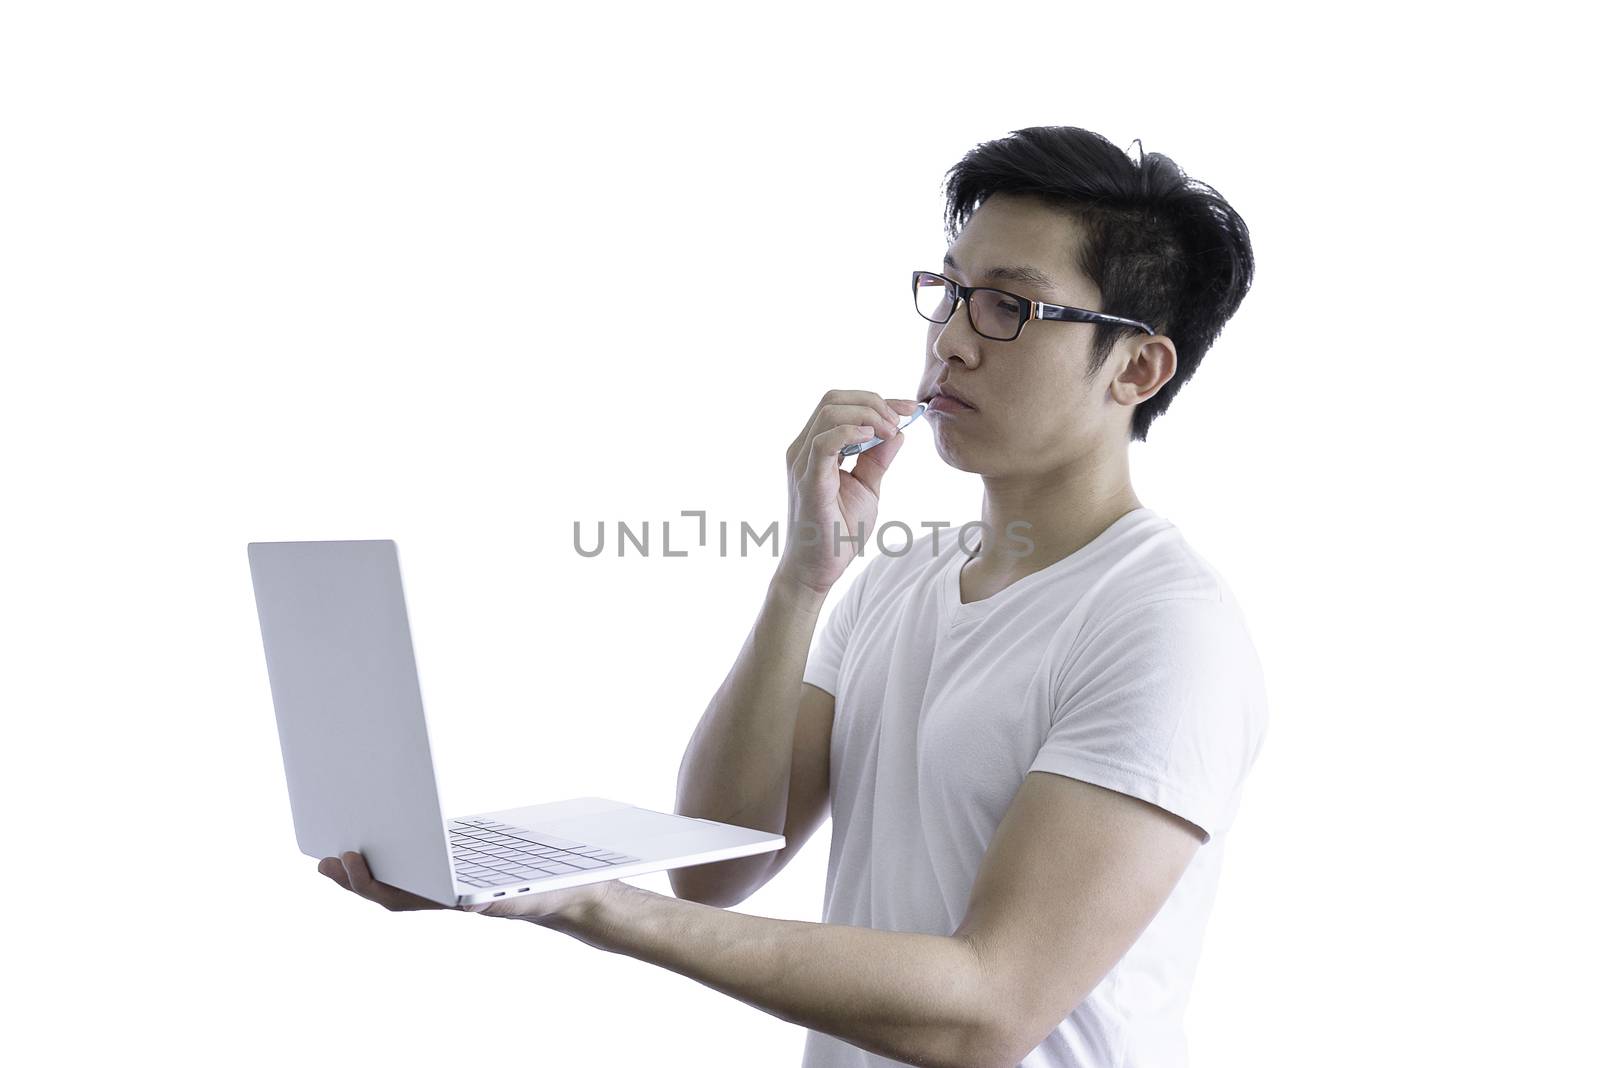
point(736, 766)
point(917, 998)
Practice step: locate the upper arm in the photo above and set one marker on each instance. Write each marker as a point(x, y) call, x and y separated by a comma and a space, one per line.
point(808, 774)
point(1073, 875)
point(1159, 714)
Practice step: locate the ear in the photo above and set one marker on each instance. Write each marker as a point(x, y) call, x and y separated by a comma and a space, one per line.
point(1145, 372)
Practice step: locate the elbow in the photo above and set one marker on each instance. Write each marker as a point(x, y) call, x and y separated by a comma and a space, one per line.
point(994, 1033)
point(996, 1044)
point(979, 1036)
point(686, 887)
point(691, 884)
point(992, 1044)
point(1010, 1024)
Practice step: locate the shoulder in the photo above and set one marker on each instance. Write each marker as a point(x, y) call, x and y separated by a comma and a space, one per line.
point(1156, 572)
point(1159, 608)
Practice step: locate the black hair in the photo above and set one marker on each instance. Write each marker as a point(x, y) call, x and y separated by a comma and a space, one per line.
point(1162, 247)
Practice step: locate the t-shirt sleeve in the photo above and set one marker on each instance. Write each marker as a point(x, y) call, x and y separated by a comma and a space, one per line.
point(828, 644)
point(1165, 702)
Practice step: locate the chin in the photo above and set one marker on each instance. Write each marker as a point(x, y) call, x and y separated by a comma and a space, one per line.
point(962, 459)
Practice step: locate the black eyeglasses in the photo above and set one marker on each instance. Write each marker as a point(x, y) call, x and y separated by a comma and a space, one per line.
point(994, 313)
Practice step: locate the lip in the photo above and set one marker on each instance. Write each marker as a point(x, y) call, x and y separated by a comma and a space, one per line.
point(944, 399)
point(944, 404)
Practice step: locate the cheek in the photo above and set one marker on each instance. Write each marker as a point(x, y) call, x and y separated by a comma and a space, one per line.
point(1052, 414)
point(1046, 396)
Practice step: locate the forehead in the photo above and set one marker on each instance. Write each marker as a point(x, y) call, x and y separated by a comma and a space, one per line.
point(1010, 231)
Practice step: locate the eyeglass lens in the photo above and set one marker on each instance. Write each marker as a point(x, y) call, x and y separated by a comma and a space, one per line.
point(993, 313)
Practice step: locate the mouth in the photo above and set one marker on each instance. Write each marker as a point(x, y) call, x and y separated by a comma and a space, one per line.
point(943, 399)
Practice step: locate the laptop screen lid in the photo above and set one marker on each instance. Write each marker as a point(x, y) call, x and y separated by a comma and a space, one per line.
point(349, 708)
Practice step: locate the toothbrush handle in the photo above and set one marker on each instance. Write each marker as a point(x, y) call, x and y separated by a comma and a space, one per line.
point(859, 446)
point(863, 446)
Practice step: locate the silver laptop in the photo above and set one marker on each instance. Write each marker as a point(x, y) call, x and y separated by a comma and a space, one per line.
point(355, 750)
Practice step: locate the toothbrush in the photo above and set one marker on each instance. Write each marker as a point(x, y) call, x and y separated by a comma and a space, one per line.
point(863, 446)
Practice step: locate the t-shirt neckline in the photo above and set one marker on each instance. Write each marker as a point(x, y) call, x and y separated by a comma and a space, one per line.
point(956, 612)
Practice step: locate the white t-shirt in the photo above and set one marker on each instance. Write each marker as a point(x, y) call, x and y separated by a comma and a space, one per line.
point(1126, 664)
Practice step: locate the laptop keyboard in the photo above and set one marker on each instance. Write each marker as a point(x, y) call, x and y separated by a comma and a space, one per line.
point(486, 853)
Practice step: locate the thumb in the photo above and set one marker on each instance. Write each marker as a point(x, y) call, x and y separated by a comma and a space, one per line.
point(871, 465)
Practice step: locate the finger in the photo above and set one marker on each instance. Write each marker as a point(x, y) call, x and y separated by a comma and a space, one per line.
point(858, 397)
point(824, 452)
point(796, 450)
point(358, 875)
point(871, 465)
point(864, 398)
point(837, 415)
point(874, 413)
point(333, 868)
point(817, 477)
point(831, 415)
point(390, 897)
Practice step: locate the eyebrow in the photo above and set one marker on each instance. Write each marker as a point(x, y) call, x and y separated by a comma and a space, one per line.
point(1031, 275)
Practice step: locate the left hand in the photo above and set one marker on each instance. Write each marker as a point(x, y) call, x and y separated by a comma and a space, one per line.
point(350, 871)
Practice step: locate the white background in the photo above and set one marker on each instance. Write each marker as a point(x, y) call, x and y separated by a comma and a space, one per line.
point(444, 274)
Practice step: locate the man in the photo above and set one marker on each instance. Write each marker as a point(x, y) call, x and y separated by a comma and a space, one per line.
point(1032, 748)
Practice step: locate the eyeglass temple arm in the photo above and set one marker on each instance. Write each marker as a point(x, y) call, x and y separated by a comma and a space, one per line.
point(1079, 315)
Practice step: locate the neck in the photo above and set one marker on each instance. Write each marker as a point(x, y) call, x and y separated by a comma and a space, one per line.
point(1064, 508)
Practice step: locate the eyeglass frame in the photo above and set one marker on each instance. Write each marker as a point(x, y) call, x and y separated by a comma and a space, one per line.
point(1035, 309)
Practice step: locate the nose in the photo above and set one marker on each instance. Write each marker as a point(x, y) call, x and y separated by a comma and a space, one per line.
point(955, 339)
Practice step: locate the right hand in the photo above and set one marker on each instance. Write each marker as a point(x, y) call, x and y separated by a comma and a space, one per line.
point(823, 499)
